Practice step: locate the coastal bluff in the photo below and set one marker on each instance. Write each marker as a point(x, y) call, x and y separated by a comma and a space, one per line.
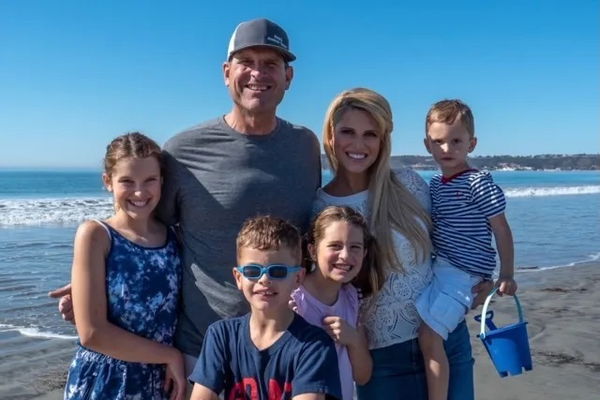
point(564, 162)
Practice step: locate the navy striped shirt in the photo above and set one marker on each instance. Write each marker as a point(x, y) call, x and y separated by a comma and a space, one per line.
point(461, 208)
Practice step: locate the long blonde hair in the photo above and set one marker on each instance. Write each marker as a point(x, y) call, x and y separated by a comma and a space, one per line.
point(391, 205)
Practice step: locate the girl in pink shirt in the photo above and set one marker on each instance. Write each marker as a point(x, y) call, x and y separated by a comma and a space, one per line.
point(342, 253)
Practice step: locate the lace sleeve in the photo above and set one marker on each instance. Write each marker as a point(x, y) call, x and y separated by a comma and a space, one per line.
point(416, 185)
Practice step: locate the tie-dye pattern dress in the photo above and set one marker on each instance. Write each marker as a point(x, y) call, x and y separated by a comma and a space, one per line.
point(142, 289)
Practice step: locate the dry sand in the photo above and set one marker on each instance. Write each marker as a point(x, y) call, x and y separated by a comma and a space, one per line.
point(561, 306)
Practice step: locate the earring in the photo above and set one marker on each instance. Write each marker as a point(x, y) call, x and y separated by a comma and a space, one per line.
point(313, 267)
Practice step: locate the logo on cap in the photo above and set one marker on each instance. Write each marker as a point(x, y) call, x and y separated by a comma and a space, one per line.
point(260, 32)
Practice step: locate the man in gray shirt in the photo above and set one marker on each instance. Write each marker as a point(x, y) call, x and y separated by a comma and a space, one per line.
point(236, 166)
point(223, 171)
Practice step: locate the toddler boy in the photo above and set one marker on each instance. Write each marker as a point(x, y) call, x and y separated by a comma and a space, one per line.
point(467, 207)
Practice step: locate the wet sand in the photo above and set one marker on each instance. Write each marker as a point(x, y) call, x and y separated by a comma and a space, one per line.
point(561, 306)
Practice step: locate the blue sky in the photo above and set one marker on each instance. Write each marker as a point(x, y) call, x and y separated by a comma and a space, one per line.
point(74, 74)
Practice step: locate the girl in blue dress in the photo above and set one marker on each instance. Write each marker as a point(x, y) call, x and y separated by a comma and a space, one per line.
point(125, 287)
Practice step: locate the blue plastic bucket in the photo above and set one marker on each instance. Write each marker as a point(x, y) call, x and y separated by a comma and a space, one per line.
point(507, 346)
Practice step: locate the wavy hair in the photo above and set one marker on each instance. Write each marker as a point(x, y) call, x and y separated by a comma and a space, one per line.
point(391, 205)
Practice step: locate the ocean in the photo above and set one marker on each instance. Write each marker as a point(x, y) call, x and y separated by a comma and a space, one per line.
point(554, 216)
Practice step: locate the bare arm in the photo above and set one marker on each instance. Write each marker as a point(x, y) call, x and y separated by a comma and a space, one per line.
point(90, 309)
point(203, 393)
point(356, 342)
point(506, 252)
point(360, 358)
point(309, 396)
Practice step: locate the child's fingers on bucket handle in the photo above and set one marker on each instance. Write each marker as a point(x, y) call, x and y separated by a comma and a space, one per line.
point(506, 286)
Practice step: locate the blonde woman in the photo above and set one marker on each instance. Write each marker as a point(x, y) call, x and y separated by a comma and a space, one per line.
point(357, 140)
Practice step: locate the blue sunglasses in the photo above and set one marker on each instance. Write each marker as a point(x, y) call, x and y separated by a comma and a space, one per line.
point(273, 271)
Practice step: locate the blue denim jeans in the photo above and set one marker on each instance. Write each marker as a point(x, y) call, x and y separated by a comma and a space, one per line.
point(398, 371)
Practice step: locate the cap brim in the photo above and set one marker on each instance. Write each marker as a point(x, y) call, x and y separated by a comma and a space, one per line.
point(287, 56)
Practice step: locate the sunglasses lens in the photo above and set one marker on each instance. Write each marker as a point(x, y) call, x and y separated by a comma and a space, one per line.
point(278, 272)
point(251, 271)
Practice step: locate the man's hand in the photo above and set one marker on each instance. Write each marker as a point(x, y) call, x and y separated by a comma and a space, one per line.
point(481, 290)
point(65, 304)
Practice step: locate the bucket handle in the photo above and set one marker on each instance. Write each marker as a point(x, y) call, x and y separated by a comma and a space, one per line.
point(485, 307)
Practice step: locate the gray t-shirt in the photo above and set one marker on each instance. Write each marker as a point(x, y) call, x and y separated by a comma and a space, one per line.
point(216, 178)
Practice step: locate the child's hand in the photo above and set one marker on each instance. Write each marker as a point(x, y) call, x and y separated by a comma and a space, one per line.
point(340, 331)
point(481, 291)
point(506, 286)
point(65, 304)
point(292, 305)
point(175, 377)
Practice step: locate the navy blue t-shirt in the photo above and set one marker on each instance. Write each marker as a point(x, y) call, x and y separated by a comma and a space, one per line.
point(302, 360)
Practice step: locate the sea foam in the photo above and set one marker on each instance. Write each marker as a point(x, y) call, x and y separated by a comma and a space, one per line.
point(34, 332)
point(551, 191)
point(72, 211)
point(59, 211)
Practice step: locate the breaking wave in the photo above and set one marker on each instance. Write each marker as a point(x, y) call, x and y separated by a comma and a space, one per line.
point(61, 211)
point(550, 191)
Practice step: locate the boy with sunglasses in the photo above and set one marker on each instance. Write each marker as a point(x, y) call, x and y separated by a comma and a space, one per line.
point(270, 353)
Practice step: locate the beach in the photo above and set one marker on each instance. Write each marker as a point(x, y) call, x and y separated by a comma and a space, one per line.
point(553, 216)
point(560, 306)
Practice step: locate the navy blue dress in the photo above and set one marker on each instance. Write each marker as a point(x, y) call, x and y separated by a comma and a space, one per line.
point(142, 290)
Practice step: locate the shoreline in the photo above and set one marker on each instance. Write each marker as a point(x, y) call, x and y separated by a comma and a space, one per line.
point(523, 273)
point(559, 306)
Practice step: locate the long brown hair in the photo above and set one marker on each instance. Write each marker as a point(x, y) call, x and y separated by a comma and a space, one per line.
point(131, 145)
point(371, 277)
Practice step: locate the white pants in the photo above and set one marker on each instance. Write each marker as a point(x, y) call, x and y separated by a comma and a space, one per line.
point(444, 303)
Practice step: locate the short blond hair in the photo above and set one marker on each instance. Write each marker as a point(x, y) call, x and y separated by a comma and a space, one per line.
point(447, 111)
point(269, 233)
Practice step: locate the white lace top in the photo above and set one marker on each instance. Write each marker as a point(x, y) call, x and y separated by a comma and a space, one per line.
point(390, 316)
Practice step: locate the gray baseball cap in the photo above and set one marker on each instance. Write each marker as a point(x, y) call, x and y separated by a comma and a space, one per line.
point(260, 32)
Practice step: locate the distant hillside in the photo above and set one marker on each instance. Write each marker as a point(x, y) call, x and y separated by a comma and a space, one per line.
point(537, 162)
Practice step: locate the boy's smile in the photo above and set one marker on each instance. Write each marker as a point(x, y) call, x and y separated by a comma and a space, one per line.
point(267, 294)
